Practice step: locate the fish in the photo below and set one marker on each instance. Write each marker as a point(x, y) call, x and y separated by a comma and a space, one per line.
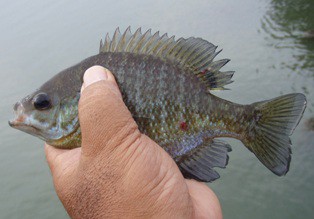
point(167, 84)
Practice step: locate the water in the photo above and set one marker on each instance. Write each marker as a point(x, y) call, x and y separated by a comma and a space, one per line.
point(264, 39)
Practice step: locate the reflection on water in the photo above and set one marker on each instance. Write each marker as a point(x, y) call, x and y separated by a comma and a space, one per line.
point(289, 25)
point(310, 124)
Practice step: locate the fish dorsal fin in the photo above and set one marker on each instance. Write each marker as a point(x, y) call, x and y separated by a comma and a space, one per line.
point(193, 53)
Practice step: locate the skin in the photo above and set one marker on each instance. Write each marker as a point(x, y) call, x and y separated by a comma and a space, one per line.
point(119, 172)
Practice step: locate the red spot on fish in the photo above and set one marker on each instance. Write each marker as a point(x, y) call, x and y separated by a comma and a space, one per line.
point(183, 126)
point(204, 72)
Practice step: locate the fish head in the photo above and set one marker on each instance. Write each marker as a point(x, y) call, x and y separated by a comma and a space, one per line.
point(47, 115)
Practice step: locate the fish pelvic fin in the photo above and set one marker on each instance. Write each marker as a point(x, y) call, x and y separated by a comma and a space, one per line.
point(199, 163)
point(268, 135)
point(194, 54)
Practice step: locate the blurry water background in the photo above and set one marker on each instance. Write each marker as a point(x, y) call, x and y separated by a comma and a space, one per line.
point(271, 49)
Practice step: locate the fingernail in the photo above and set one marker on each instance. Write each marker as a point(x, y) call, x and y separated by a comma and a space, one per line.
point(94, 74)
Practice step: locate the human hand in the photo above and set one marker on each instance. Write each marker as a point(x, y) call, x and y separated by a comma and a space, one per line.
point(119, 172)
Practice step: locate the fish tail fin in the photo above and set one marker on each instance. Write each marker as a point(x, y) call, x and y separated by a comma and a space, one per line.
point(268, 134)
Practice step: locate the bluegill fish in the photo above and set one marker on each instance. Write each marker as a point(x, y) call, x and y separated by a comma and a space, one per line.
point(167, 84)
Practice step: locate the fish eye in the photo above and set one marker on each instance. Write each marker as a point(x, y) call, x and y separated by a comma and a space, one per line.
point(41, 101)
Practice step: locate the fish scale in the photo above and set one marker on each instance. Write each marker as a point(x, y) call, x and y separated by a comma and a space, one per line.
point(167, 85)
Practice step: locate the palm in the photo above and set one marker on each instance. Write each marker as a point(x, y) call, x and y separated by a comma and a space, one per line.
point(151, 169)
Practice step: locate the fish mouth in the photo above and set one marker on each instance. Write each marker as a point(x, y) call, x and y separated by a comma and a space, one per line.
point(14, 123)
point(23, 122)
point(19, 119)
point(19, 123)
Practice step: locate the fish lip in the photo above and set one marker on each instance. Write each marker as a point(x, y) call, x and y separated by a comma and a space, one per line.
point(13, 123)
point(16, 124)
point(30, 129)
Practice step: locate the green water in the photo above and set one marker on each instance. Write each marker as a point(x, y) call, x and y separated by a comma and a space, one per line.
point(264, 39)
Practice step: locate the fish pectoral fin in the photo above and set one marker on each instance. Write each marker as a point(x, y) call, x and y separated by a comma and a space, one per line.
point(198, 164)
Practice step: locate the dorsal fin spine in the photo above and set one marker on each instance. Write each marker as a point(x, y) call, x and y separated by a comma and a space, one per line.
point(165, 47)
point(192, 53)
point(146, 45)
point(142, 42)
point(101, 45)
point(134, 38)
point(181, 52)
point(150, 44)
point(107, 42)
point(124, 39)
point(115, 39)
point(162, 41)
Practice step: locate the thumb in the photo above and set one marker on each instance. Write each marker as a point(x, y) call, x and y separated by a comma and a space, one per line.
point(104, 119)
point(61, 161)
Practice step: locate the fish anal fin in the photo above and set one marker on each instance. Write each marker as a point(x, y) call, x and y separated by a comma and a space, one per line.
point(200, 162)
